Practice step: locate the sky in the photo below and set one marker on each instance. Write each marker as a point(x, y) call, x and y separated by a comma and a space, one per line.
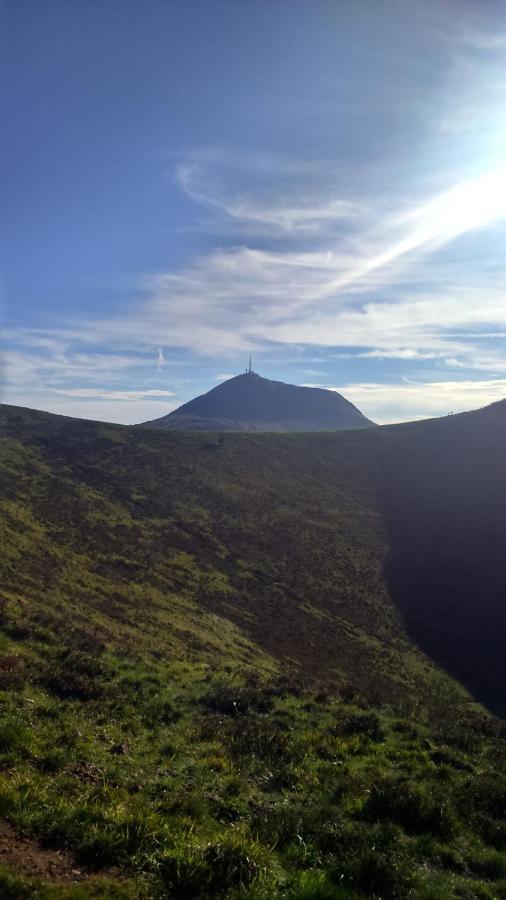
point(187, 182)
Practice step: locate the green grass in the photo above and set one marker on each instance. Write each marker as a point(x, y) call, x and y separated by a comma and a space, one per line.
point(183, 789)
point(206, 687)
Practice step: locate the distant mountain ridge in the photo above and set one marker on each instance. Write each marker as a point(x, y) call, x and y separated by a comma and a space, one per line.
point(249, 402)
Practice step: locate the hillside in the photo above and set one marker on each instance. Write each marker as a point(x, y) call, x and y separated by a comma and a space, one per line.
point(230, 664)
point(271, 548)
point(267, 548)
point(249, 402)
point(370, 542)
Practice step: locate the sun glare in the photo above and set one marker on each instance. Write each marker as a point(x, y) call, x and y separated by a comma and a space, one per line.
point(468, 205)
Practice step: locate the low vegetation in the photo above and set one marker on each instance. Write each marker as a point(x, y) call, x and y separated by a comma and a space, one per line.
point(185, 780)
point(206, 689)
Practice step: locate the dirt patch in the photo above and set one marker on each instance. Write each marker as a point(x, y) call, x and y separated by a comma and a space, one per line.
point(27, 857)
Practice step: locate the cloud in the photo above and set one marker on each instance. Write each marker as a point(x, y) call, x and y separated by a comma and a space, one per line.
point(380, 284)
point(100, 394)
point(398, 277)
point(395, 354)
point(243, 299)
point(60, 357)
point(298, 209)
point(387, 403)
point(38, 378)
point(474, 359)
point(100, 410)
point(160, 360)
point(479, 38)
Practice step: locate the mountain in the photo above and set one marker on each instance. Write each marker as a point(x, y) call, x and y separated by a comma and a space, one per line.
point(249, 402)
point(252, 665)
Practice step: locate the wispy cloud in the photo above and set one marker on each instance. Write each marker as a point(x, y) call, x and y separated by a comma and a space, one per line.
point(301, 209)
point(100, 394)
point(392, 283)
point(474, 359)
point(400, 353)
point(239, 299)
point(160, 360)
point(479, 38)
point(365, 227)
point(49, 374)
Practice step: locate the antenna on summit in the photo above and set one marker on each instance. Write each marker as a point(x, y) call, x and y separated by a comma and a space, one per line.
point(249, 369)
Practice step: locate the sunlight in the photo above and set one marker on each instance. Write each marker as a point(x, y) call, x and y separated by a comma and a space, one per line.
point(469, 205)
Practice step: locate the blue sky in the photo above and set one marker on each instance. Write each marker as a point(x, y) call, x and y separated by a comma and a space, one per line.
point(321, 184)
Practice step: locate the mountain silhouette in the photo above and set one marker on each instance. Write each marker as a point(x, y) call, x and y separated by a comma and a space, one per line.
point(249, 402)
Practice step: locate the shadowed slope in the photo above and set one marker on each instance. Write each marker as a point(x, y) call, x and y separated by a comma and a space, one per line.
point(443, 490)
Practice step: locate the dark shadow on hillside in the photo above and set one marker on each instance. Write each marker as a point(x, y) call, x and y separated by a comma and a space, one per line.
point(442, 486)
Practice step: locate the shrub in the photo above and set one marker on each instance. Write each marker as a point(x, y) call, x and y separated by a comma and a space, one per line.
point(485, 795)
point(7, 802)
point(12, 672)
point(233, 861)
point(235, 786)
point(489, 864)
point(412, 806)
point(191, 804)
point(287, 685)
point(13, 736)
point(367, 724)
point(159, 711)
point(183, 871)
point(494, 833)
point(317, 886)
point(408, 729)
point(54, 760)
point(236, 861)
point(77, 675)
point(234, 700)
point(109, 843)
point(373, 861)
point(260, 737)
point(446, 757)
point(13, 887)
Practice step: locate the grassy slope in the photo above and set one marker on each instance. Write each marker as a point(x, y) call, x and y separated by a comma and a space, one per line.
point(150, 580)
point(267, 549)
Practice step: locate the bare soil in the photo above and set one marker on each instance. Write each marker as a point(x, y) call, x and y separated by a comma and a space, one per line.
point(27, 857)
